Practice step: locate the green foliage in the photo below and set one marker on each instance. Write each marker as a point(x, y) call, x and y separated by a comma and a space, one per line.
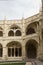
point(13, 64)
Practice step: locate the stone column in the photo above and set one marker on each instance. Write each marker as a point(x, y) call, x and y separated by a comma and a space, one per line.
point(37, 27)
point(5, 29)
point(38, 51)
point(4, 53)
point(23, 27)
point(23, 52)
point(40, 38)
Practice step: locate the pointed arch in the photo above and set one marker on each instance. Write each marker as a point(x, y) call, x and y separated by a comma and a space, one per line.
point(30, 31)
point(32, 28)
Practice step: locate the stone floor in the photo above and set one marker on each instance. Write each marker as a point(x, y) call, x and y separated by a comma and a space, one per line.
point(34, 63)
point(28, 63)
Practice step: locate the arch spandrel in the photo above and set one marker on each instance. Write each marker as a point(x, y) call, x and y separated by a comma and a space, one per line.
point(14, 26)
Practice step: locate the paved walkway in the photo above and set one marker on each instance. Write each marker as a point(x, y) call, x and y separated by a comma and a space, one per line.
point(36, 62)
point(28, 63)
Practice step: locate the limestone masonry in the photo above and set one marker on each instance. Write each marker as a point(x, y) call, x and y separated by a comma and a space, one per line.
point(21, 39)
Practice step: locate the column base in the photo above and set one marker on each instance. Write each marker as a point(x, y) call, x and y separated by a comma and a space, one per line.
point(23, 58)
point(4, 57)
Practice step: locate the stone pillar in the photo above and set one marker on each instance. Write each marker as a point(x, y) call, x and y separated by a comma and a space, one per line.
point(23, 52)
point(23, 27)
point(38, 51)
point(40, 38)
point(4, 53)
point(37, 27)
point(5, 29)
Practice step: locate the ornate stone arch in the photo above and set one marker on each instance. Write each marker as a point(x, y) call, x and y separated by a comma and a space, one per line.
point(11, 33)
point(31, 28)
point(14, 27)
point(14, 49)
point(18, 32)
point(31, 48)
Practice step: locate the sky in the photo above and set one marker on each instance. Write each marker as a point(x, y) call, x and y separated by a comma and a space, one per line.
point(17, 9)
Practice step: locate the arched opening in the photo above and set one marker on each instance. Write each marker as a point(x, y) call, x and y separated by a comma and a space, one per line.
point(30, 31)
point(32, 28)
point(31, 49)
point(1, 50)
point(11, 33)
point(18, 33)
point(1, 33)
point(14, 49)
